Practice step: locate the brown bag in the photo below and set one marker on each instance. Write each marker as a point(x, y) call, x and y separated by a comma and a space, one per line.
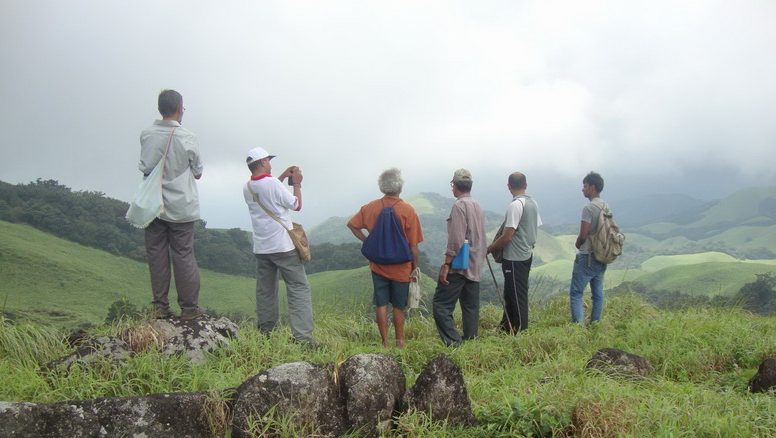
point(296, 233)
point(302, 245)
point(498, 255)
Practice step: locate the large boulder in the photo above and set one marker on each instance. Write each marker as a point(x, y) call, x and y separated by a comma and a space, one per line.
point(441, 392)
point(160, 415)
point(196, 337)
point(765, 379)
point(171, 336)
point(101, 348)
point(618, 363)
point(373, 386)
point(299, 393)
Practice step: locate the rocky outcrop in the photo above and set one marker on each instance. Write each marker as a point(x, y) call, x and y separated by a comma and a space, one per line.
point(765, 379)
point(194, 338)
point(302, 399)
point(301, 391)
point(372, 386)
point(618, 363)
point(171, 336)
point(101, 348)
point(160, 415)
point(441, 392)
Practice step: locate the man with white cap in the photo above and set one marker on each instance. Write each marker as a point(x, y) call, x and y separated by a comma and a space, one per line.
point(461, 283)
point(273, 248)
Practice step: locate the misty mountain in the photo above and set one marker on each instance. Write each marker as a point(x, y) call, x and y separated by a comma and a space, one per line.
point(754, 207)
point(641, 210)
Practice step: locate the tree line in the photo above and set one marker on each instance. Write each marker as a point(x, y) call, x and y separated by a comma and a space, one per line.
point(92, 219)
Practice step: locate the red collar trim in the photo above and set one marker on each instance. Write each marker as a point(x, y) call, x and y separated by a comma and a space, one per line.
point(262, 176)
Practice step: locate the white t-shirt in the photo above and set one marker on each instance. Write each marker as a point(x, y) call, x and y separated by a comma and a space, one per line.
point(269, 237)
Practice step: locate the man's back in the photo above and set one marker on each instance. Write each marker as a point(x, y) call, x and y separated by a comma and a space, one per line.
point(181, 168)
point(526, 230)
point(466, 221)
point(410, 223)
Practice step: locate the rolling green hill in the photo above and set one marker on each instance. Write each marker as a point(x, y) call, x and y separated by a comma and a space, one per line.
point(710, 278)
point(54, 281)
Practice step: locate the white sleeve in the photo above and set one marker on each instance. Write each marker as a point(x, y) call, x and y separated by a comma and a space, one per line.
point(514, 213)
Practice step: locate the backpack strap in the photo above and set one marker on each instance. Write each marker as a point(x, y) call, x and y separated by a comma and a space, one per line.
point(269, 213)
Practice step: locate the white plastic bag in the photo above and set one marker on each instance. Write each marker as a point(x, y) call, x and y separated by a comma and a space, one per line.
point(147, 204)
point(414, 298)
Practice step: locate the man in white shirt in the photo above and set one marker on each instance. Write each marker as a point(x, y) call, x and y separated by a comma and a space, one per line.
point(172, 233)
point(273, 248)
point(521, 228)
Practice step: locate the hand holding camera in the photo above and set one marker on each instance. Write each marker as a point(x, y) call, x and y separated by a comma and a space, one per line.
point(294, 175)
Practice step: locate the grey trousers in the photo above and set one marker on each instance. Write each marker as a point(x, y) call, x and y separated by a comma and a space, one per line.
point(300, 307)
point(163, 241)
point(468, 293)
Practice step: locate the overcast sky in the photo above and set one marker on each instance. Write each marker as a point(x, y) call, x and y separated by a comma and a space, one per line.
point(659, 96)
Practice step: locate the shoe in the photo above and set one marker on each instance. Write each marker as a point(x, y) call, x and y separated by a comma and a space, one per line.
point(188, 315)
point(162, 313)
point(310, 344)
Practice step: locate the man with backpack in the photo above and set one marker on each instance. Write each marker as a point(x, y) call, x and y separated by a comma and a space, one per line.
point(599, 242)
point(459, 276)
point(520, 230)
point(392, 249)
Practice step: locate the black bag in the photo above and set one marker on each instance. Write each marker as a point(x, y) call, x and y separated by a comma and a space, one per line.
point(498, 255)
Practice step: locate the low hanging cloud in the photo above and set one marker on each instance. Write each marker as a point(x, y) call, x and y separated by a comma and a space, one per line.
point(345, 89)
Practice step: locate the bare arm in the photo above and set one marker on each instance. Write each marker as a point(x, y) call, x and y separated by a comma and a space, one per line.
point(584, 231)
point(358, 232)
point(296, 174)
point(503, 240)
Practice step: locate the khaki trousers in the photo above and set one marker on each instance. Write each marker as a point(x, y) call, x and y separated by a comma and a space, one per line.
point(168, 240)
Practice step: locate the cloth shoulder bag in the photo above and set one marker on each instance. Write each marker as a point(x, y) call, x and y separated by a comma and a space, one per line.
point(296, 233)
point(147, 204)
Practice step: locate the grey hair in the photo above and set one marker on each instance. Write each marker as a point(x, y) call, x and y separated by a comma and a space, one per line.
point(390, 181)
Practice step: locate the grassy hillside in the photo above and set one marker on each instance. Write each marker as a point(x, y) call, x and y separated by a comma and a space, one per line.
point(657, 263)
point(50, 280)
point(533, 384)
point(712, 278)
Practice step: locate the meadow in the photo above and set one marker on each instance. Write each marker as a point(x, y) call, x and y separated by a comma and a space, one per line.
point(532, 384)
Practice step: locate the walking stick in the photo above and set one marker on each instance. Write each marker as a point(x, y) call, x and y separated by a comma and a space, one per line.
point(499, 294)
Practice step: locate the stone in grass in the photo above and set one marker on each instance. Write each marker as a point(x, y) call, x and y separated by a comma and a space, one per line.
point(440, 391)
point(618, 363)
point(299, 395)
point(172, 336)
point(765, 379)
point(373, 386)
point(159, 415)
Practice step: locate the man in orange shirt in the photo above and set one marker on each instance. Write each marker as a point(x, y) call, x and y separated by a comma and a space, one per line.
point(391, 281)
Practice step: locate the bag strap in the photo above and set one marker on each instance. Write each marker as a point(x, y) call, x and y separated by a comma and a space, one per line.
point(164, 159)
point(258, 201)
point(167, 149)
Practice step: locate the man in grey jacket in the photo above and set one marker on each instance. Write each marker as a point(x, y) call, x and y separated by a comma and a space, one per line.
point(521, 227)
point(172, 233)
point(465, 223)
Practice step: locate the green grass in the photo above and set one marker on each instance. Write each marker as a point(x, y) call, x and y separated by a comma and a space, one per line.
point(657, 263)
point(53, 281)
point(712, 278)
point(530, 384)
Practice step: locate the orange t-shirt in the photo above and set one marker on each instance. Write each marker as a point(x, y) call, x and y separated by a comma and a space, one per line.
point(367, 217)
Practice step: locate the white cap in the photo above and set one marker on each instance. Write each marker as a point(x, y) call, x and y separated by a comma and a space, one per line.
point(257, 154)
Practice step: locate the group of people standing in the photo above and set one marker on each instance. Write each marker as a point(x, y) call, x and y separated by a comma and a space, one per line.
point(170, 237)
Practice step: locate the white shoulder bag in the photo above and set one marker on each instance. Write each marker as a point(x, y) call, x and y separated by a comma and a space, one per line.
point(148, 203)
